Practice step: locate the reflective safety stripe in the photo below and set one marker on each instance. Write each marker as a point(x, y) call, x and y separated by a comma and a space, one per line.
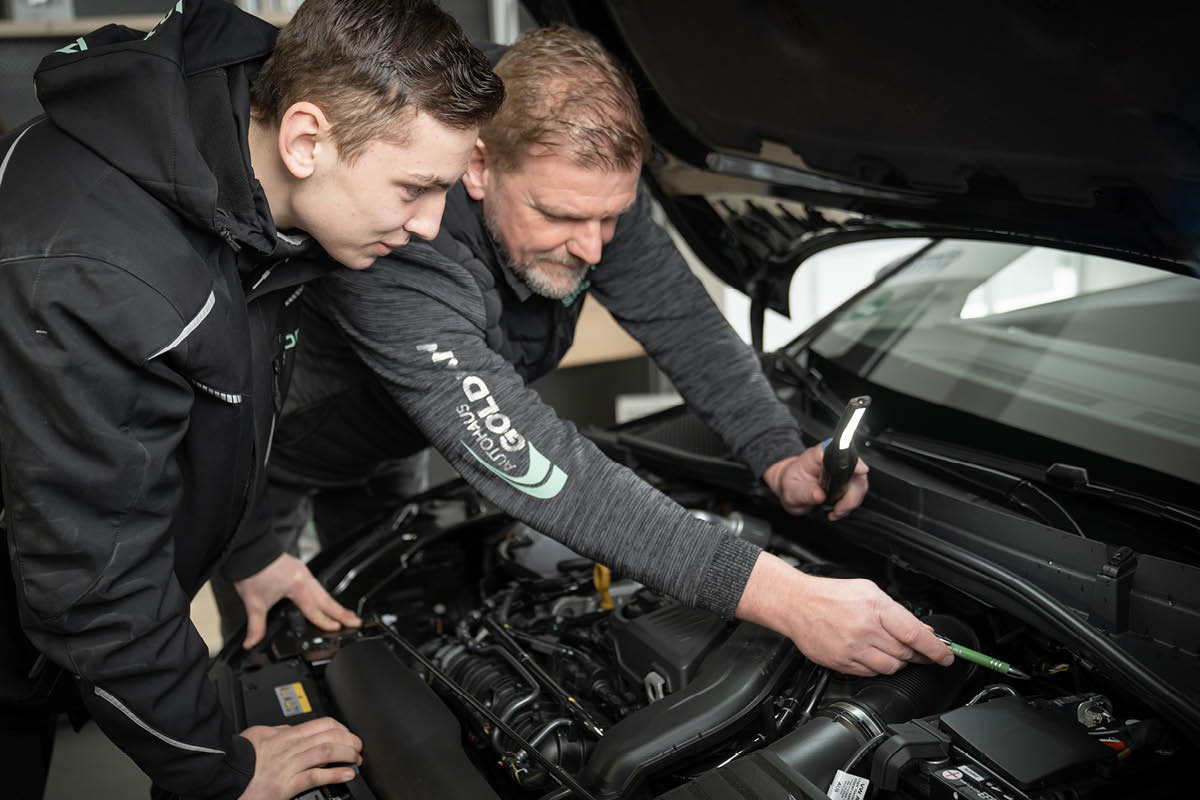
point(294, 296)
point(11, 150)
point(229, 397)
point(134, 719)
point(191, 326)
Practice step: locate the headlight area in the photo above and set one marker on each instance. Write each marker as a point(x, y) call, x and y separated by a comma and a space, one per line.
point(495, 663)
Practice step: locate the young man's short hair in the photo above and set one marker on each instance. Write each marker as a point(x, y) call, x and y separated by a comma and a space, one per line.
point(566, 93)
point(363, 61)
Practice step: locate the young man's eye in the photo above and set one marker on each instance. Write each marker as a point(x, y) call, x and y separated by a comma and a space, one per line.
point(415, 191)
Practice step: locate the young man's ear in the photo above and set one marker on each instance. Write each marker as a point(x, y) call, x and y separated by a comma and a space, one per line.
point(303, 135)
point(475, 179)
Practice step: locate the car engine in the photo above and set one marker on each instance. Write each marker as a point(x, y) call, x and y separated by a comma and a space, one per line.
point(496, 663)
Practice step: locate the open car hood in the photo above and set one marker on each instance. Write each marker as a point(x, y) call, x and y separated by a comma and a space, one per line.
point(1064, 123)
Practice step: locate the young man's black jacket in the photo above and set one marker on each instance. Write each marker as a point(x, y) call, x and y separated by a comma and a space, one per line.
point(144, 335)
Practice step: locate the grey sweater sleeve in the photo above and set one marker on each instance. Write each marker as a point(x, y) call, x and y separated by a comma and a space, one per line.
point(417, 321)
point(648, 288)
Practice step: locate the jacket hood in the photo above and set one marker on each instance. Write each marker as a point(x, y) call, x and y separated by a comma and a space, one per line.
point(157, 107)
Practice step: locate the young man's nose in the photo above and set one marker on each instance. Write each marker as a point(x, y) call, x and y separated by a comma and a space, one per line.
point(426, 220)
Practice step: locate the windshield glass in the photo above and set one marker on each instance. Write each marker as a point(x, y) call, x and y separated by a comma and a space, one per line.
point(1095, 352)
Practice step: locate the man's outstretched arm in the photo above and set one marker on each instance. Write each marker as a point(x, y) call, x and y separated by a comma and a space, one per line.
point(849, 625)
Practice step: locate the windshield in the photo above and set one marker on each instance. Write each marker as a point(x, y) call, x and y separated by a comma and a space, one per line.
point(1095, 352)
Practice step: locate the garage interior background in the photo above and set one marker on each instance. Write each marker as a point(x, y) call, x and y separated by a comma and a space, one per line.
point(605, 378)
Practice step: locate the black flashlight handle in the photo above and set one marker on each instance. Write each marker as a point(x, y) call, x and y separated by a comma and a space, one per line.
point(838, 462)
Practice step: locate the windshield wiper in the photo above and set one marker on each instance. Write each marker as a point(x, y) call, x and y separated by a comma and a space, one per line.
point(1075, 479)
point(812, 381)
point(1007, 486)
point(1019, 481)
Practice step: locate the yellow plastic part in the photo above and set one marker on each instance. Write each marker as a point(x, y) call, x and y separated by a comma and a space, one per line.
point(602, 577)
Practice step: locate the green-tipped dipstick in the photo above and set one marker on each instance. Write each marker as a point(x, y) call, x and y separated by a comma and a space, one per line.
point(975, 657)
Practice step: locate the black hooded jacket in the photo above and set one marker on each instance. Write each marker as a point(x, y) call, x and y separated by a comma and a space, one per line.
point(145, 325)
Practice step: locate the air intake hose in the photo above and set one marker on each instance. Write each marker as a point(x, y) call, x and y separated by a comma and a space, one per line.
point(820, 746)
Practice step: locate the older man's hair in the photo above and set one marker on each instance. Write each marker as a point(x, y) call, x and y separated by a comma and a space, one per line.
point(364, 62)
point(565, 94)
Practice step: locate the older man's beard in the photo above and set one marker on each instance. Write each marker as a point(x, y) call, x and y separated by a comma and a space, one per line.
point(540, 280)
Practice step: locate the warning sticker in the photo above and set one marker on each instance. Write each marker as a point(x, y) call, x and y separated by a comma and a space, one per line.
point(970, 773)
point(848, 787)
point(952, 775)
point(292, 699)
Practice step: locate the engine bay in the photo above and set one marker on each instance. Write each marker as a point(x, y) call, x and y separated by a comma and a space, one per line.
point(495, 663)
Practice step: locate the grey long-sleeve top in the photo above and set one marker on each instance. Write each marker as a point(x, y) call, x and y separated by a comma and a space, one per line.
point(418, 322)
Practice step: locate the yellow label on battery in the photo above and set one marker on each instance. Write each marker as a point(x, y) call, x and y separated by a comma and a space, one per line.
point(292, 699)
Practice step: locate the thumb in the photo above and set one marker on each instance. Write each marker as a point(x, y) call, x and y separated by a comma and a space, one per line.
point(256, 627)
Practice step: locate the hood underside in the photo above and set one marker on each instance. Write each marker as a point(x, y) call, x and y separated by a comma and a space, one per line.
point(1061, 121)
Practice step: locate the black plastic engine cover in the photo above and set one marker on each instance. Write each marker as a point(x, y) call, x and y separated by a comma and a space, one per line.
point(670, 640)
point(1028, 746)
point(727, 692)
point(412, 744)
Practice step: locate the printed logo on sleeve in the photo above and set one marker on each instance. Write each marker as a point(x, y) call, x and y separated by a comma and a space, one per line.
point(491, 439)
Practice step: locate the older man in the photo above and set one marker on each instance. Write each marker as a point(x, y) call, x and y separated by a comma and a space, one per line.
point(436, 344)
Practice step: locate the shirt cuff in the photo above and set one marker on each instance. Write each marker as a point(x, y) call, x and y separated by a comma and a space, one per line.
point(727, 575)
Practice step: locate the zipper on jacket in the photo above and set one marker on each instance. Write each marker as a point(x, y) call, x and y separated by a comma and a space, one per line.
point(229, 238)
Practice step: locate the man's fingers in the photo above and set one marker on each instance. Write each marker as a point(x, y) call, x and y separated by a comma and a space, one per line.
point(291, 760)
point(339, 612)
point(817, 454)
point(807, 496)
point(321, 776)
point(326, 613)
point(329, 752)
point(851, 498)
point(912, 632)
point(256, 627)
point(880, 663)
point(894, 648)
point(344, 615)
point(320, 725)
point(318, 617)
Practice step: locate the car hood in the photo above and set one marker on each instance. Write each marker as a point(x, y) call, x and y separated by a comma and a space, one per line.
point(1062, 123)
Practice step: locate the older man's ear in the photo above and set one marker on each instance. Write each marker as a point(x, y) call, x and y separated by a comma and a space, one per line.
point(478, 173)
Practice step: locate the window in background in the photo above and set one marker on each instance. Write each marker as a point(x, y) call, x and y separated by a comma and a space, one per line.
point(820, 285)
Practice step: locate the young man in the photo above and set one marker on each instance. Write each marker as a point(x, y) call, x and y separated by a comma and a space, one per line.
point(155, 230)
point(436, 344)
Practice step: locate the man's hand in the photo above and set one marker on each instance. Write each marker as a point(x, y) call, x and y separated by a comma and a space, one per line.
point(287, 576)
point(851, 626)
point(796, 481)
point(288, 758)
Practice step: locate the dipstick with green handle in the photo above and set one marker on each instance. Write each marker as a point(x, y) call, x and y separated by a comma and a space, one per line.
point(975, 657)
